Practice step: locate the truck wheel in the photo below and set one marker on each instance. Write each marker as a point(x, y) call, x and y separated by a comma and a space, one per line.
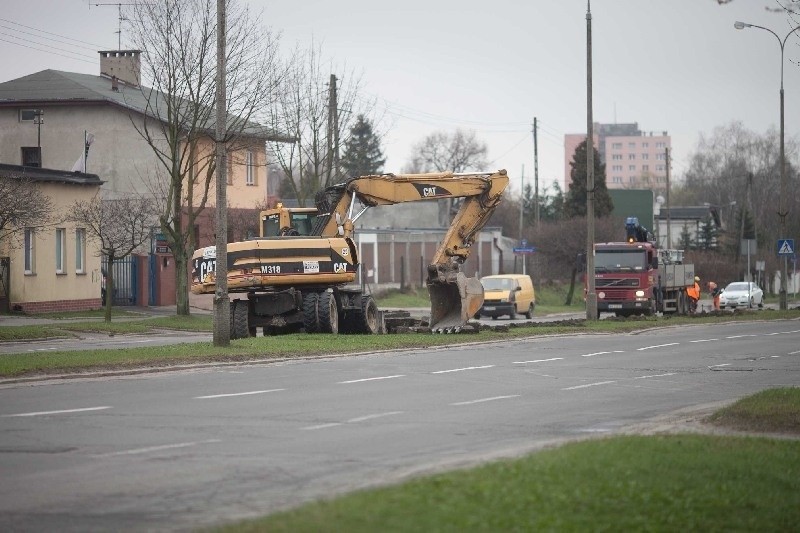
point(365, 320)
point(529, 314)
point(239, 329)
point(328, 313)
point(310, 317)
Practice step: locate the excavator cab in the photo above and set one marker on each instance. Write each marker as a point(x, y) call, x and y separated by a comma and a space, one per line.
point(287, 221)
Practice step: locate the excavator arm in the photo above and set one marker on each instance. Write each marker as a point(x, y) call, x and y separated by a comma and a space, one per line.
point(454, 297)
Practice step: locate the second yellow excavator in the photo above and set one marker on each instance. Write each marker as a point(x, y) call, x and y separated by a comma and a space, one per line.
point(296, 274)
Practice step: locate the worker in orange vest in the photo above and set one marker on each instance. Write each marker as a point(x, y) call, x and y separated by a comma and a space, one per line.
point(693, 293)
point(714, 291)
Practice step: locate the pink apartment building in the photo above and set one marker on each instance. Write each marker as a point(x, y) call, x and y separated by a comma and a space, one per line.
point(634, 159)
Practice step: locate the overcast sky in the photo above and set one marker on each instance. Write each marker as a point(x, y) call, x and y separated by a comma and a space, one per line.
point(492, 66)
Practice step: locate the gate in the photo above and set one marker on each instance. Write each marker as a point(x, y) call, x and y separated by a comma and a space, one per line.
point(125, 280)
point(5, 287)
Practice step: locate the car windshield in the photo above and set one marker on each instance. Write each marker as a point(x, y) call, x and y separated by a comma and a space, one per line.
point(736, 287)
point(497, 284)
point(618, 260)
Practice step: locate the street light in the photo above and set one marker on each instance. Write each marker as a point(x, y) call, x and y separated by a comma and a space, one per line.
point(781, 206)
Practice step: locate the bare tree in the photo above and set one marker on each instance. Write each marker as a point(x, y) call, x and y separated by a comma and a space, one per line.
point(317, 110)
point(178, 43)
point(119, 226)
point(460, 151)
point(22, 205)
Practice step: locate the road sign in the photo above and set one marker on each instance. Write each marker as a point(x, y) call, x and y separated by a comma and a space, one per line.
point(525, 251)
point(785, 247)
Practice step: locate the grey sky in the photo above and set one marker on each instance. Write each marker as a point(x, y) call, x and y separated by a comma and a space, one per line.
point(670, 65)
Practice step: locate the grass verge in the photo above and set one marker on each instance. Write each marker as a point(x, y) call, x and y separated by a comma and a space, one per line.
point(629, 483)
point(769, 411)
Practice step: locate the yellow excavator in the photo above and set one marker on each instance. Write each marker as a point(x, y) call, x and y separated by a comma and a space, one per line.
point(296, 274)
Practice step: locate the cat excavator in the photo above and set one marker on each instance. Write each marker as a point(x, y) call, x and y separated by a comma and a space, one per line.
point(296, 274)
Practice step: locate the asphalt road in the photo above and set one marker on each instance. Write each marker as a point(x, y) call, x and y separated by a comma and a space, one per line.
point(189, 449)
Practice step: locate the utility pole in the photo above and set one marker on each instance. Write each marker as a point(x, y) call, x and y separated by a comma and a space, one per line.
point(591, 295)
point(535, 172)
point(38, 120)
point(522, 201)
point(333, 133)
point(222, 304)
point(120, 18)
point(669, 222)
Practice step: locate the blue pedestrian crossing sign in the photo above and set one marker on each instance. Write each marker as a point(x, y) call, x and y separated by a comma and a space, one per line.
point(785, 246)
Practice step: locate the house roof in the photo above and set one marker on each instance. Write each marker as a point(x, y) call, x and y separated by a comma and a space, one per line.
point(71, 88)
point(684, 213)
point(42, 175)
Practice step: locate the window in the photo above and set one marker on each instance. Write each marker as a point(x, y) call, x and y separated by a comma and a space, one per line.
point(61, 250)
point(631, 157)
point(250, 178)
point(80, 251)
point(660, 157)
point(645, 145)
point(632, 146)
point(632, 179)
point(661, 145)
point(660, 168)
point(31, 156)
point(632, 168)
point(645, 157)
point(30, 251)
point(645, 168)
point(616, 146)
point(617, 179)
point(617, 157)
point(617, 168)
point(27, 115)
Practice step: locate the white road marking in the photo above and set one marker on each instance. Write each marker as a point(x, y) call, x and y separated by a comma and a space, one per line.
point(657, 346)
point(656, 375)
point(470, 402)
point(602, 353)
point(60, 412)
point(372, 417)
point(236, 394)
point(371, 379)
point(793, 353)
point(589, 385)
point(738, 336)
point(43, 349)
point(538, 361)
point(723, 364)
point(321, 426)
point(769, 334)
point(705, 340)
point(462, 369)
point(149, 449)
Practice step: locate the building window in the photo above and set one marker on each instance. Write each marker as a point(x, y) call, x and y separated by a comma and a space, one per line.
point(617, 157)
point(61, 250)
point(645, 145)
point(645, 168)
point(660, 168)
point(80, 251)
point(632, 146)
point(631, 157)
point(27, 115)
point(632, 168)
point(250, 178)
point(30, 251)
point(617, 168)
point(617, 179)
point(660, 157)
point(645, 157)
point(661, 145)
point(632, 179)
point(31, 156)
point(616, 146)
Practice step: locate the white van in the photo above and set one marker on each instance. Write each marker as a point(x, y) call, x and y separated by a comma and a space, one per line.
point(507, 294)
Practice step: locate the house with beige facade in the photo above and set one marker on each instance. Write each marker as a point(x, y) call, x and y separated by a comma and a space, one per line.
point(52, 267)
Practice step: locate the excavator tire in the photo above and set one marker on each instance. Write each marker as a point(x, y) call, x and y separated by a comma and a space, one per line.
point(239, 329)
point(328, 313)
point(310, 317)
point(364, 320)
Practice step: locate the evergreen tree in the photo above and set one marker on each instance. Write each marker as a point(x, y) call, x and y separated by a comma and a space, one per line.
point(707, 234)
point(362, 151)
point(575, 199)
point(685, 239)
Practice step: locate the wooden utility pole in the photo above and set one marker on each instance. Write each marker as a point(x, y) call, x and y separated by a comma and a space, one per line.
point(333, 132)
point(222, 303)
point(591, 295)
point(669, 222)
point(535, 172)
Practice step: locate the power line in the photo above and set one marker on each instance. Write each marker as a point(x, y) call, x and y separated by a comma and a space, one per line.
point(95, 46)
point(47, 51)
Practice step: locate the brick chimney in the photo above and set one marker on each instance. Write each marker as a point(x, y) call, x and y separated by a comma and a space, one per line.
point(124, 65)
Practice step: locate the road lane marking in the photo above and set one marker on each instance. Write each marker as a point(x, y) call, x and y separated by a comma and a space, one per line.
point(589, 385)
point(793, 353)
point(236, 394)
point(372, 417)
point(462, 369)
point(371, 379)
point(493, 398)
point(538, 361)
point(60, 412)
point(657, 346)
point(739, 336)
point(723, 364)
point(149, 449)
point(593, 354)
point(705, 340)
point(656, 375)
point(321, 426)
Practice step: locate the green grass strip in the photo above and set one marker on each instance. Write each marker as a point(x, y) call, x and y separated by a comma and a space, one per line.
point(772, 410)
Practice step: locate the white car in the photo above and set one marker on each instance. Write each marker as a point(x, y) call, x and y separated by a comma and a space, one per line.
point(741, 294)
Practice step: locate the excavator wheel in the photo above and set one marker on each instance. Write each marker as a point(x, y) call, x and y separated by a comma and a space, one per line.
point(364, 320)
point(239, 329)
point(310, 318)
point(328, 313)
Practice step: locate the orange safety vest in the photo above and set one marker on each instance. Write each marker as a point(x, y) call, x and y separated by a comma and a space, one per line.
point(694, 291)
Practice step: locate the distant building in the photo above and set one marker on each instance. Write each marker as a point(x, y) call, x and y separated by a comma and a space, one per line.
point(634, 159)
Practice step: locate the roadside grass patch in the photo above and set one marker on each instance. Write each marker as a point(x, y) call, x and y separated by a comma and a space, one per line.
point(769, 411)
point(23, 333)
point(629, 483)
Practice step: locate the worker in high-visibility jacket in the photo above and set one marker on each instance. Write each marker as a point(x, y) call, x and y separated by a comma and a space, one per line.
point(693, 293)
point(714, 291)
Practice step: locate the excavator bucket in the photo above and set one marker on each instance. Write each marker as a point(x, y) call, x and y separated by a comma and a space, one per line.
point(453, 302)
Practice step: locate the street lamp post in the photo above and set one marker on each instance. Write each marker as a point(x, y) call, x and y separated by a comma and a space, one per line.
point(782, 199)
